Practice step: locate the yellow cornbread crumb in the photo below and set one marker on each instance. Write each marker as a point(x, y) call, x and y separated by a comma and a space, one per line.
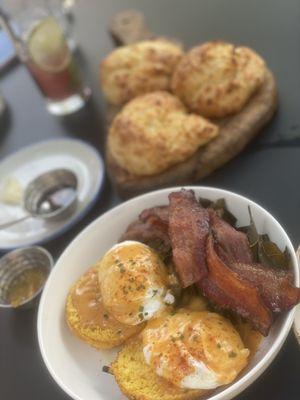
point(139, 382)
point(94, 334)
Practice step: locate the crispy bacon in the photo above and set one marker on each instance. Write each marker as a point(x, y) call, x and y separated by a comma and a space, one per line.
point(233, 245)
point(188, 230)
point(211, 253)
point(160, 213)
point(275, 286)
point(152, 229)
point(227, 290)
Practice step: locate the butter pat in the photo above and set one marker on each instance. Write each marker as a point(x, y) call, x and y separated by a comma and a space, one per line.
point(11, 191)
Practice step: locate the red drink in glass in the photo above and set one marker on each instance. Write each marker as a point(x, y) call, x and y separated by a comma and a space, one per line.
point(51, 64)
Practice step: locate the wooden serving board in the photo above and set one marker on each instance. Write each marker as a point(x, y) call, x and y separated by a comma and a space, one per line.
point(235, 131)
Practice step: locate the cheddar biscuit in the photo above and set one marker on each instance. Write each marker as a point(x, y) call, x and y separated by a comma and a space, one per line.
point(217, 78)
point(154, 132)
point(139, 68)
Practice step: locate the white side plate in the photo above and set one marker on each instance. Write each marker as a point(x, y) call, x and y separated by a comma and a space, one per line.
point(28, 163)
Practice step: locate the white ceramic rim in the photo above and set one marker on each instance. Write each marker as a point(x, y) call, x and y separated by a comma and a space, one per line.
point(233, 389)
point(295, 326)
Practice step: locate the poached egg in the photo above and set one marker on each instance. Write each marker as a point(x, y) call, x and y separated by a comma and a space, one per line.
point(133, 283)
point(194, 350)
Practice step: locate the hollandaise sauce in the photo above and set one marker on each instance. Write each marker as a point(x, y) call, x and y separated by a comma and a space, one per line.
point(194, 350)
point(87, 300)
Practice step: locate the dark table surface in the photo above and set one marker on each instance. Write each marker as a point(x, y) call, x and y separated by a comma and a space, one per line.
point(268, 171)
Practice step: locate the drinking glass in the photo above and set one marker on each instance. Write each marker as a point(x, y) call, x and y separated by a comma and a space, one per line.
point(43, 47)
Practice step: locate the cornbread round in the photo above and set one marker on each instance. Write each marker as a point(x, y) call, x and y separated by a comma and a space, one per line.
point(139, 68)
point(217, 78)
point(102, 335)
point(139, 382)
point(154, 132)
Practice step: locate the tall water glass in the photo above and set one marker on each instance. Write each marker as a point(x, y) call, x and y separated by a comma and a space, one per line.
point(44, 49)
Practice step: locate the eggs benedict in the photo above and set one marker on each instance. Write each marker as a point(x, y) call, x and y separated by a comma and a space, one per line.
point(134, 283)
point(194, 350)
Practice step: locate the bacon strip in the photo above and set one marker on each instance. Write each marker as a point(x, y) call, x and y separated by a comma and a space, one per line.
point(210, 252)
point(152, 229)
point(227, 290)
point(188, 230)
point(159, 213)
point(234, 245)
point(274, 286)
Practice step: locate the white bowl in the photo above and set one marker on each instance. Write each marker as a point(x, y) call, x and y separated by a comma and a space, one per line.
point(75, 366)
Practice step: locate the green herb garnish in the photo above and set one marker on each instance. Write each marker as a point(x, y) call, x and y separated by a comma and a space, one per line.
point(265, 251)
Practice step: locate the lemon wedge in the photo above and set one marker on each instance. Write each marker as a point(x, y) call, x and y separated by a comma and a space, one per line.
point(47, 46)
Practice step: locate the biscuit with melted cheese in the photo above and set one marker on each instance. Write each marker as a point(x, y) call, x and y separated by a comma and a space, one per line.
point(138, 68)
point(217, 78)
point(154, 132)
